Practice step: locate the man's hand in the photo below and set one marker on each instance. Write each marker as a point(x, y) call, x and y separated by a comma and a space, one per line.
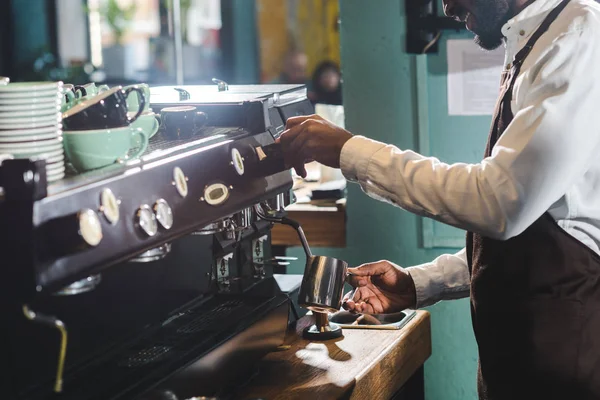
point(312, 138)
point(381, 288)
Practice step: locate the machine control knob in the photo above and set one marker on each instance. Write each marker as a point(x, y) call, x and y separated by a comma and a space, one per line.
point(109, 206)
point(163, 213)
point(180, 182)
point(90, 228)
point(78, 232)
point(146, 220)
point(237, 161)
point(215, 194)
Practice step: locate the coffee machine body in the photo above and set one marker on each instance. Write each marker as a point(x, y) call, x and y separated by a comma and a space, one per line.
point(151, 277)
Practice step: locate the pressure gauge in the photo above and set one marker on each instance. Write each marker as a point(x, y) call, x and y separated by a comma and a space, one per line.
point(180, 182)
point(146, 220)
point(109, 206)
point(163, 213)
point(90, 228)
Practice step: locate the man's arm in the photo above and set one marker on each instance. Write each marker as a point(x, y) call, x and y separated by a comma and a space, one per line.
point(445, 278)
point(550, 143)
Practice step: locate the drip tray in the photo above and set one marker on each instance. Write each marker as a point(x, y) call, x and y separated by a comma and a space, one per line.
point(348, 320)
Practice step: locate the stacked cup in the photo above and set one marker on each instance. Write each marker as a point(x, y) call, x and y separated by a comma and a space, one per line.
point(99, 132)
point(148, 120)
point(30, 123)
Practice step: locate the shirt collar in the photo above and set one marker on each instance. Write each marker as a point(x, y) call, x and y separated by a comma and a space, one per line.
point(527, 21)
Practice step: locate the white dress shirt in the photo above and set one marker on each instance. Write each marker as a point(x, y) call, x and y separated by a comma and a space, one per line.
point(548, 159)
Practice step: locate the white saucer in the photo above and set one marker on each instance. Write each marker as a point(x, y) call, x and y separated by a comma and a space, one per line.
point(35, 131)
point(47, 142)
point(55, 169)
point(56, 177)
point(24, 98)
point(54, 159)
point(39, 112)
point(21, 96)
point(37, 153)
point(30, 147)
point(54, 123)
point(33, 107)
point(30, 86)
point(9, 119)
point(30, 138)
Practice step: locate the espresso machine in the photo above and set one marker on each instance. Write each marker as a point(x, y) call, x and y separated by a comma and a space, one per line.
point(151, 278)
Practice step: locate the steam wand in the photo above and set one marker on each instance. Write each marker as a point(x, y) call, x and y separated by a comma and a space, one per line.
point(286, 221)
point(58, 324)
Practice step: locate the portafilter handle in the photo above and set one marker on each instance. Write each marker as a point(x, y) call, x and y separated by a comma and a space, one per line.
point(286, 221)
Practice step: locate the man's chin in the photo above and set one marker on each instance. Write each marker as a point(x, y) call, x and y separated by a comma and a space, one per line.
point(488, 42)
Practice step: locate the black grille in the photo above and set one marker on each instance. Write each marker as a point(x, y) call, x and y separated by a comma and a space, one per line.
point(145, 356)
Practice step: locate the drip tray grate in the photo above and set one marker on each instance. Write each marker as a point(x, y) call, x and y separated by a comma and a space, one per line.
point(203, 322)
point(145, 356)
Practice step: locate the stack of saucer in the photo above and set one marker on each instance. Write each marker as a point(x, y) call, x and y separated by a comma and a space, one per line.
point(30, 124)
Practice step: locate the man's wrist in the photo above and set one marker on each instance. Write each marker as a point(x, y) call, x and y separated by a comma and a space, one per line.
point(412, 290)
point(356, 155)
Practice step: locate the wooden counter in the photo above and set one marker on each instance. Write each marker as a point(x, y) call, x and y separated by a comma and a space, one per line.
point(364, 364)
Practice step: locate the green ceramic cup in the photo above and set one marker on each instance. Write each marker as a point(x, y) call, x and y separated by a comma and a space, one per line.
point(133, 101)
point(93, 149)
point(148, 122)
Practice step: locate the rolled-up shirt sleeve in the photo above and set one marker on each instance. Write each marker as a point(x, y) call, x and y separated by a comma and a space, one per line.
point(445, 278)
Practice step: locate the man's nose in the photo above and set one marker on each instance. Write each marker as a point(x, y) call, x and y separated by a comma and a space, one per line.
point(449, 8)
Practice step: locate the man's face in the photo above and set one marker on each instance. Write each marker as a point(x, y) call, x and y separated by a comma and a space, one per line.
point(484, 18)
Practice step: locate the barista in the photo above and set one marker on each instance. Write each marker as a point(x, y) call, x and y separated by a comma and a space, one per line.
point(531, 263)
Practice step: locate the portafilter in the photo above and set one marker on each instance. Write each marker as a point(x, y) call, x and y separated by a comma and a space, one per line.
point(322, 285)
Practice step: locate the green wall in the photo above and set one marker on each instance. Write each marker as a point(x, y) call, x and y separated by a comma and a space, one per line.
point(381, 94)
point(31, 33)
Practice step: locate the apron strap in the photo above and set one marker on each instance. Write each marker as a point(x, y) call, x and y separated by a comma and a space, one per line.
point(524, 52)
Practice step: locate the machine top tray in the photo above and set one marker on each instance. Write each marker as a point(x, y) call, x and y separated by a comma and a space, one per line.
point(210, 94)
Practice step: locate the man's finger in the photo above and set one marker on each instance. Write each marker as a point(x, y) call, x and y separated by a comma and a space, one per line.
point(289, 135)
point(376, 268)
point(357, 281)
point(301, 170)
point(293, 121)
point(349, 305)
point(297, 143)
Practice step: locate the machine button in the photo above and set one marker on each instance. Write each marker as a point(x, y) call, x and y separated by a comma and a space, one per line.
point(216, 194)
point(90, 228)
point(109, 206)
point(237, 161)
point(163, 213)
point(147, 220)
point(180, 182)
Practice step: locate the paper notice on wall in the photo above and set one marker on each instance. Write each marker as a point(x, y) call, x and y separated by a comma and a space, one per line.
point(473, 78)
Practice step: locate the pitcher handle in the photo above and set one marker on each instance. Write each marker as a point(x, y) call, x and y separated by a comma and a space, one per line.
point(142, 101)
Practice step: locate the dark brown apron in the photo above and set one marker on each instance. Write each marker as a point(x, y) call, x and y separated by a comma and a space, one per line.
point(535, 298)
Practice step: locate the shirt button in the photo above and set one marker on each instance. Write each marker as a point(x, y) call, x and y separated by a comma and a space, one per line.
point(522, 32)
